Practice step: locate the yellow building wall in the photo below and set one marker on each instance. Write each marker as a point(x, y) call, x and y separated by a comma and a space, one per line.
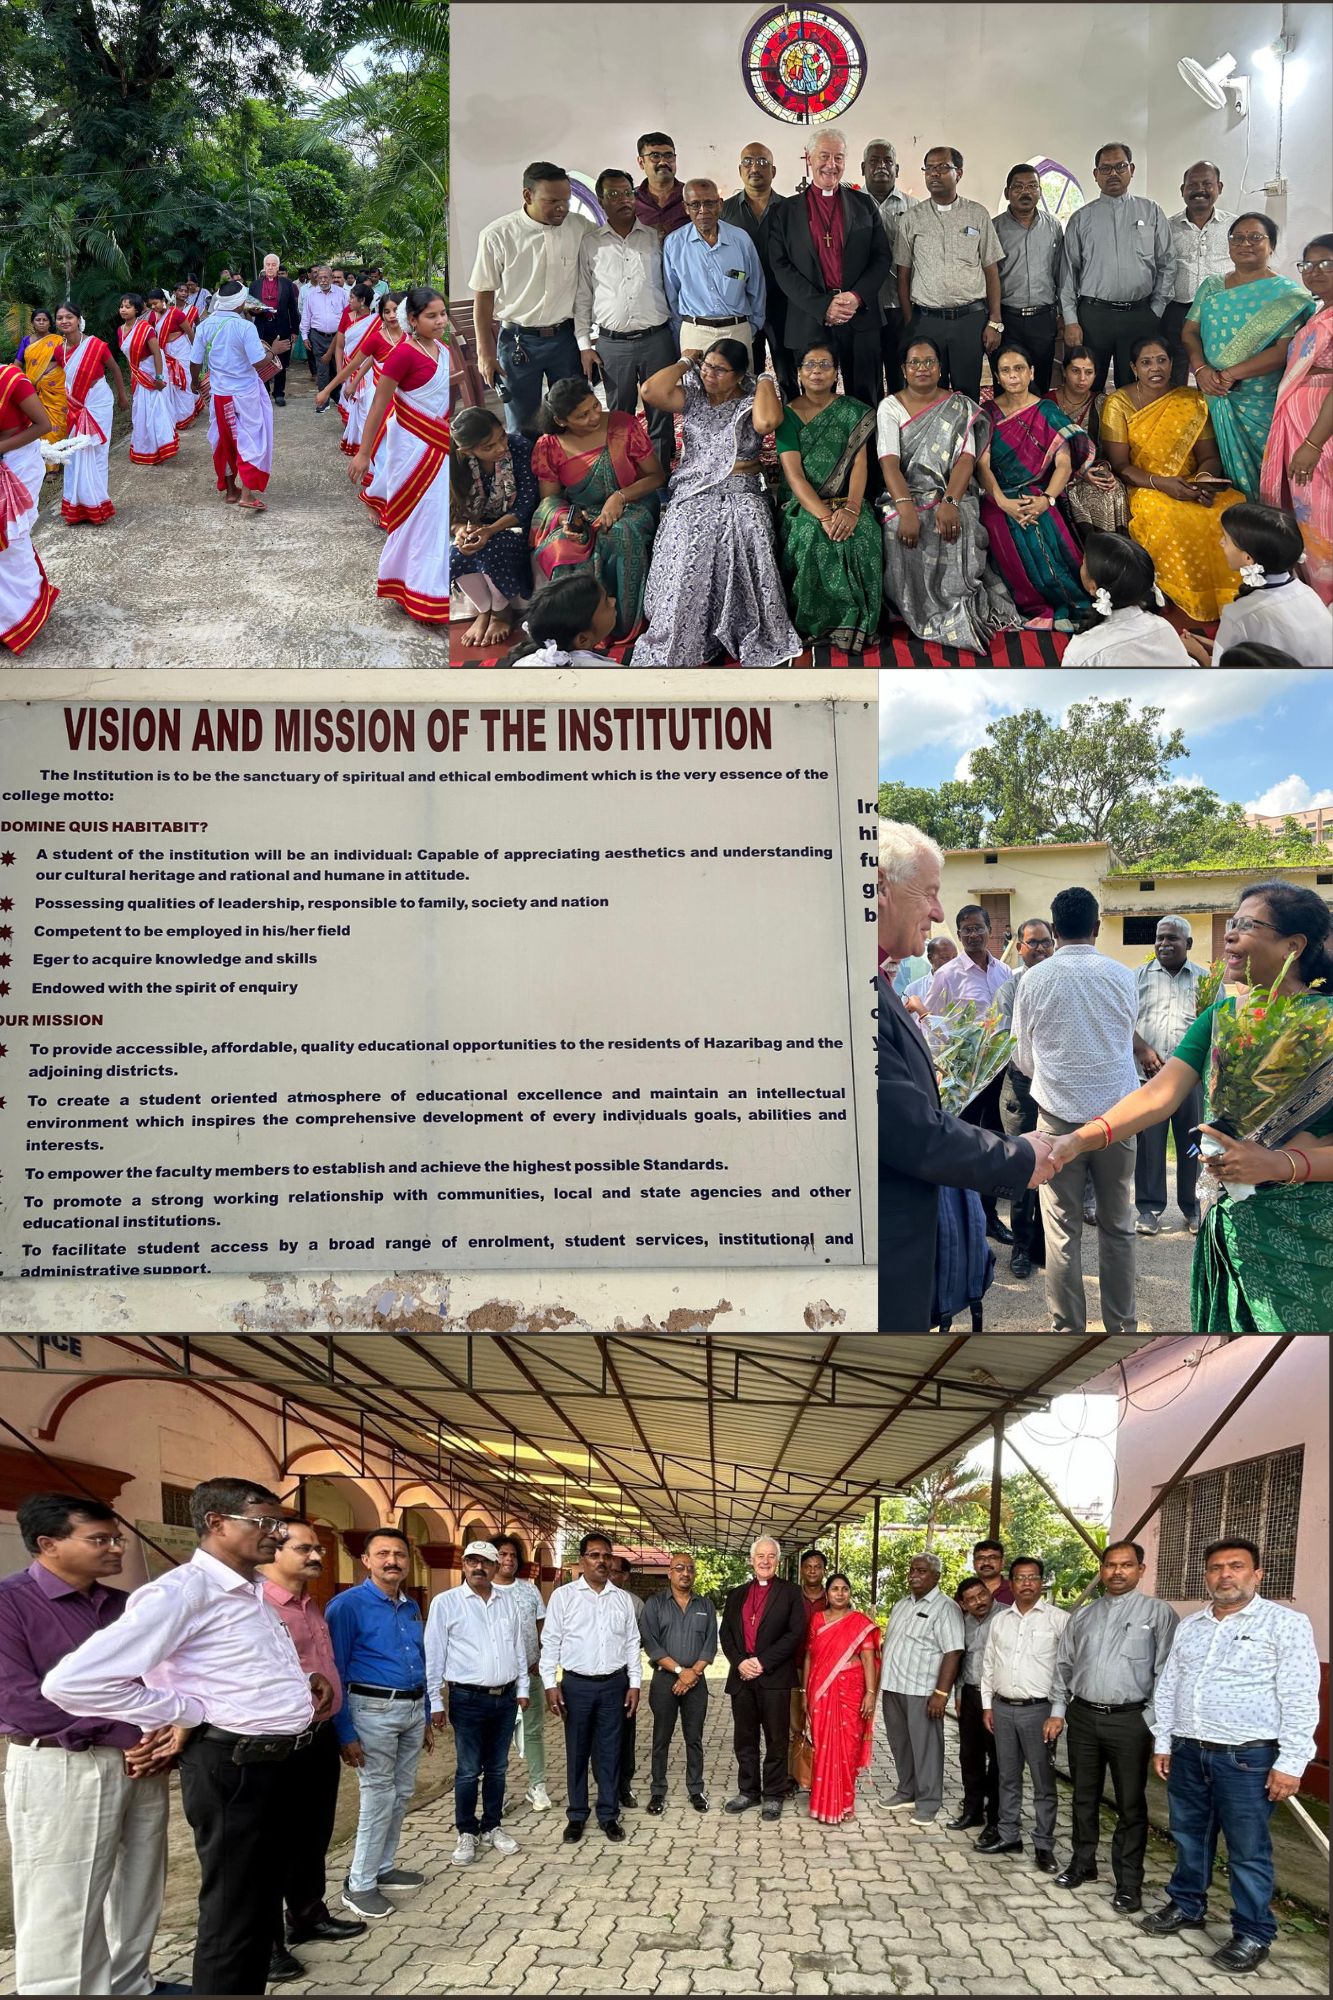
point(1029, 877)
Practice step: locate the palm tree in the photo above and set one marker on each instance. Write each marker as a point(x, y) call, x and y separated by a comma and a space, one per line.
point(945, 1486)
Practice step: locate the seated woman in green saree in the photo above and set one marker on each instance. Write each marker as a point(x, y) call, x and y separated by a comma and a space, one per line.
point(830, 540)
point(600, 482)
point(1264, 1264)
point(1236, 334)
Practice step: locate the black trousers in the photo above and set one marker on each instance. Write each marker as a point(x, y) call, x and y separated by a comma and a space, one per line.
point(594, 1714)
point(1173, 319)
point(692, 1709)
point(976, 1759)
point(1037, 332)
point(1108, 335)
point(757, 1709)
point(769, 342)
point(1150, 1160)
point(313, 1775)
point(238, 1813)
point(269, 326)
point(856, 350)
point(627, 363)
point(629, 1737)
point(890, 338)
point(1018, 1114)
point(959, 341)
point(1123, 1744)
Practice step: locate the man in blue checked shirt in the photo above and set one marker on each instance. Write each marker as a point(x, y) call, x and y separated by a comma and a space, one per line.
point(384, 1725)
point(713, 279)
point(1234, 1720)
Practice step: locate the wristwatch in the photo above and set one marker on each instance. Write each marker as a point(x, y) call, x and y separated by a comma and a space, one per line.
point(996, 324)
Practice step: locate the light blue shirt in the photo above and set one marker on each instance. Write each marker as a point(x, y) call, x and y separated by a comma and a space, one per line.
point(1247, 1678)
point(713, 280)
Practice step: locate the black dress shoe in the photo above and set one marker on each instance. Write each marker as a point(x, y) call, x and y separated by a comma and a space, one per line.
point(698, 1801)
point(613, 1829)
point(657, 1807)
point(282, 1967)
point(573, 1830)
point(998, 1846)
point(772, 1809)
point(1020, 1264)
point(1074, 1878)
point(742, 1802)
point(1043, 1858)
point(988, 1842)
point(999, 1231)
point(332, 1928)
point(964, 1819)
point(1240, 1954)
point(1169, 1919)
point(628, 1799)
point(1125, 1902)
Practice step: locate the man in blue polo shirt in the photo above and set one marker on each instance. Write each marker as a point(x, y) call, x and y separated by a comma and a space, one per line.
point(384, 1725)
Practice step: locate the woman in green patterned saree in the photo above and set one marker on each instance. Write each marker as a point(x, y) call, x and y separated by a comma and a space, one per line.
point(1236, 334)
point(1263, 1264)
point(830, 541)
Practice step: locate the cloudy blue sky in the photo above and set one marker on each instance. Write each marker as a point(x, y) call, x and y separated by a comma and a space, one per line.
point(1263, 737)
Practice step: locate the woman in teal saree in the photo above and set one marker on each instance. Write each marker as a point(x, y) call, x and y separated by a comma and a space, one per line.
point(830, 540)
point(599, 480)
point(1033, 453)
point(1236, 334)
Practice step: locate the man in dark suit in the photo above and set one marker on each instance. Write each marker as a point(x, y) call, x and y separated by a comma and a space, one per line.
point(922, 1148)
point(830, 253)
point(279, 320)
point(763, 1630)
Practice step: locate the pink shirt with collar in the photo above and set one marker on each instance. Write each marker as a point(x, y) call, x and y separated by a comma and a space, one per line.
point(310, 1635)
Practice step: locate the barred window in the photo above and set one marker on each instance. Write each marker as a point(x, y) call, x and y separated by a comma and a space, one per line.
point(176, 1506)
point(1259, 1500)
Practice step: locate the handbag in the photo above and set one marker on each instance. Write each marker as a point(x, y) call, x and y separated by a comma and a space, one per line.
point(803, 1763)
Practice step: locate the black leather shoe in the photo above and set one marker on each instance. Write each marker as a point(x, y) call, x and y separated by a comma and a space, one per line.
point(964, 1819)
point(772, 1809)
point(1074, 1878)
point(988, 1842)
point(741, 1803)
point(282, 1967)
point(628, 1799)
point(999, 1231)
point(613, 1829)
point(1020, 1264)
point(1043, 1858)
point(1001, 1846)
point(698, 1801)
point(1240, 1954)
point(333, 1928)
point(1125, 1902)
point(573, 1830)
point(657, 1807)
point(1169, 1919)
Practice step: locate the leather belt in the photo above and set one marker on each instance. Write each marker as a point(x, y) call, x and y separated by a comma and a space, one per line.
point(646, 332)
point(276, 1746)
point(570, 1672)
point(695, 319)
point(544, 332)
point(1107, 1707)
point(951, 312)
point(1022, 1701)
point(386, 1694)
point(1026, 312)
point(1116, 305)
point(1255, 1743)
point(475, 1687)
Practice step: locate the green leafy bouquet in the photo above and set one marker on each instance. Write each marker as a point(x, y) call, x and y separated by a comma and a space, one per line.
point(1209, 986)
point(969, 1050)
point(1270, 1070)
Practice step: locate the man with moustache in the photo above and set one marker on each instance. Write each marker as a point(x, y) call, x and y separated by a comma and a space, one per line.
point(523, 283)
point(314, 1770)
point(976, 1745)
point(475, 1648)
point(1110, 1656)
point(948, 260)
point(1199, 248)
point(592, 1671)
point(1032, 241)
point(712, 274)
point(831, 255)
point(752, 208)
point(921, 1147)
point(619, 291)
point(659, 199)
point(879, 177)
point(1168, 1002)
point(1118, 267)
point(1017, 1686)
point(988, 1564)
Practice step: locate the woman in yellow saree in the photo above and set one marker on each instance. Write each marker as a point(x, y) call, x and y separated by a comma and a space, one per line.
point(1161, 444)
point(42, 358)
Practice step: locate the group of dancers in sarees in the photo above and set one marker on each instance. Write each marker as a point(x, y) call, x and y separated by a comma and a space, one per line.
point(392, 378)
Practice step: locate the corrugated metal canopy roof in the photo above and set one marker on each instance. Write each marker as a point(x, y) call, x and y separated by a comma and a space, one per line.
point(703, 1438)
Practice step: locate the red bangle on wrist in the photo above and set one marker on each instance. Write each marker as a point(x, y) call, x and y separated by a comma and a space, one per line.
point(1296, 1151)
point(1110, 1136)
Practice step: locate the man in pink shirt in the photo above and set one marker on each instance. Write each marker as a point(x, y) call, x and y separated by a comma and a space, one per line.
point(314, 1770)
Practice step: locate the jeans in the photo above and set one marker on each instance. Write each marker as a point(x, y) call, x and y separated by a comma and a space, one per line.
point(1208, 1789)
point(390, 1733)
point(526, 360)
point(483, 1726)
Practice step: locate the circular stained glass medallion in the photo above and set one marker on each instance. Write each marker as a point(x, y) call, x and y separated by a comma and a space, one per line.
point(804, 65)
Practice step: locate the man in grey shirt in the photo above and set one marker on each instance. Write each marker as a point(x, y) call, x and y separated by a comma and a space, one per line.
point(1119, 265)
point(1074, 1018)
point(1033, 244)
point(923, 1649)
point(1168, 1002)
point(1110, 1655)
point(679, 1632)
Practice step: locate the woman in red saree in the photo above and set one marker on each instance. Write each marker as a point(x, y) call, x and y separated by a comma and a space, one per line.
point(839, 1677)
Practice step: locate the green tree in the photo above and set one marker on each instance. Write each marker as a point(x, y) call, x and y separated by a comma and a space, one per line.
point(1086, 778)
point(953, 813)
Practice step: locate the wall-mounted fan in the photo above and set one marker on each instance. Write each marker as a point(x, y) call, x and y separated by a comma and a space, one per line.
point(1213, 80)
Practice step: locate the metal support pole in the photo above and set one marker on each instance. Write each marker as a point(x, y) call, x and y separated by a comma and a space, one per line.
point(837, 1545)
point(874, 1557)
point(997, 1460)
point(1054, 1497)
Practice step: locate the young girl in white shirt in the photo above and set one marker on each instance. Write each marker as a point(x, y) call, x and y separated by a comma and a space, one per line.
point(1274, 608)
point(1124, 629)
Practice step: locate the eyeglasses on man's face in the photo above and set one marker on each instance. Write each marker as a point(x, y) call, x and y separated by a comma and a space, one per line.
point(755, 160)
point(268, 1524)
point(658, 159)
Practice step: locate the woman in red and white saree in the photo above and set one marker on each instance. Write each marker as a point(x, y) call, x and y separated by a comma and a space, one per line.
point(375, 485)
point(174, 337)
point(26, 597)
point(153, 418)
point(839, 1678)
point(93, 385)
point(355, 390)
point(414, 567)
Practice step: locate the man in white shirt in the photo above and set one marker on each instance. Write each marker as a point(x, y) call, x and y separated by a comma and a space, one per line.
point(523, 282)
point(590, 1640)
point(619, 291)
point(321, 311)
point(1017, 1685)
point(474, 1647)
point(1199, 251)
point(1074, 1018)
point(530, 1727)
point(1234, 1717)
point(203, 1663)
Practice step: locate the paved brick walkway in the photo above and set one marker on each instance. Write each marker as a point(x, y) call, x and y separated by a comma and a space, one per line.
point(720, 1905)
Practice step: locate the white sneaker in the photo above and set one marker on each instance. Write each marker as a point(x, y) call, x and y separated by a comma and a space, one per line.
point(538, 1799)
point(466, 1850)
point(502, 1842)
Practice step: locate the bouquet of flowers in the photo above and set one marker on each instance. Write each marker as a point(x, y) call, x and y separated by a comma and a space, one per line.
point(1209, 986)
point(1270, 1071)
point(969, 1051)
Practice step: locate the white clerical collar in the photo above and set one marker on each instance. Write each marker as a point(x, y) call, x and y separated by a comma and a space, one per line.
point(828, 193)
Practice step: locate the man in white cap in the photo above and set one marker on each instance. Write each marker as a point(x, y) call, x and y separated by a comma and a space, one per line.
point(474, 1647)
